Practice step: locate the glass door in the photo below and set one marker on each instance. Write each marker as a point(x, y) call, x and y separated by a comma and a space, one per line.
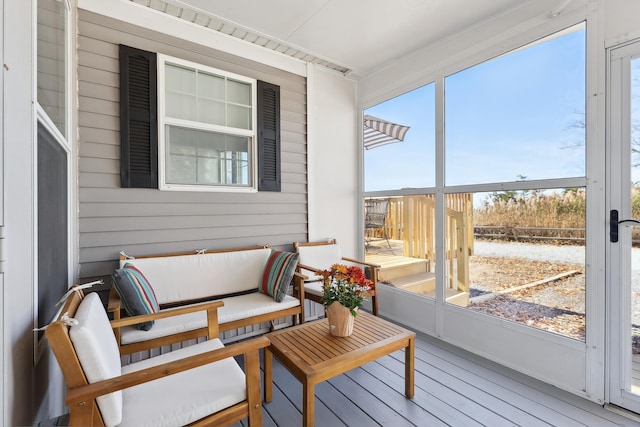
point(623, 364)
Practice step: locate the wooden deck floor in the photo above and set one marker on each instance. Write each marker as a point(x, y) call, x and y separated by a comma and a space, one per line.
point(453, 388)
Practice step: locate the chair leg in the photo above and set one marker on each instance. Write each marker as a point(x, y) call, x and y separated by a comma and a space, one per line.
point(254, 397)
point(384, 230)
point(374, 305)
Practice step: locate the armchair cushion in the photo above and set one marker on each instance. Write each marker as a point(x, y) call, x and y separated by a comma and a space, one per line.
point(319, 256)
point(136, 293)
point(278, 273)
point(198, 392)
point(314, 288)
point(98, 353)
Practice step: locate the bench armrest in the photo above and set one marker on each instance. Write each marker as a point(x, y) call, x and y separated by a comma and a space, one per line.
point(211, 307)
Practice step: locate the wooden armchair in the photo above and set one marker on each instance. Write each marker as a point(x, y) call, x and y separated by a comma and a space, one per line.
point(198, 385)
point(316, 256)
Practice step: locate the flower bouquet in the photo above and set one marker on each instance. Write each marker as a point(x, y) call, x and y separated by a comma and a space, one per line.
point(344, 290)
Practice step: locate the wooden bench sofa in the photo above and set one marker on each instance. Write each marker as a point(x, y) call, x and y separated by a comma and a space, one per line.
point(232, 276)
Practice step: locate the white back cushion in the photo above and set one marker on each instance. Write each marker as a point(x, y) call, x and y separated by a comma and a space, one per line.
point(98, 353)
point(319, 256)
point(187, 277)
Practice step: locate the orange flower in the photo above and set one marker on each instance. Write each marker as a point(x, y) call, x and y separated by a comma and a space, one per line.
point(347, 285)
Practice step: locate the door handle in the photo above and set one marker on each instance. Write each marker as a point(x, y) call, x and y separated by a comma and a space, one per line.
point(614, 222)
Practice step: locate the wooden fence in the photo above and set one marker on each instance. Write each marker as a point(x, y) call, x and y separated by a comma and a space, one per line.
point(412, 220)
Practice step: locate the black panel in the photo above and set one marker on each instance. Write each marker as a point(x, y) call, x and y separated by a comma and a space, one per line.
point(138, 118)
point(268, 137)
point(52, 225)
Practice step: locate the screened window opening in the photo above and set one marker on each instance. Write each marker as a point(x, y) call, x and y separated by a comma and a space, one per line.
point(519, 116)
point(515, 121)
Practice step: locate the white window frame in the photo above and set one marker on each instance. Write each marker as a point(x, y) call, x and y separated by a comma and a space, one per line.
point(163, 121)
point(67, 140)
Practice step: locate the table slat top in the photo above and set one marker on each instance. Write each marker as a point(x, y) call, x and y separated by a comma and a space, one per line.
point(310, 348)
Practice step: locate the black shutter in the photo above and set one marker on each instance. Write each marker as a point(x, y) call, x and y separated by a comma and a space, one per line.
point(268, 137)
point(138, 118)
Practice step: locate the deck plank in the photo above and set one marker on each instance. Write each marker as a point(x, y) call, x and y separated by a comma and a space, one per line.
point(452, 396)
point(453, 388)
point(543, 400)
point(393, 398)
point(426, 399)
point(362, 398)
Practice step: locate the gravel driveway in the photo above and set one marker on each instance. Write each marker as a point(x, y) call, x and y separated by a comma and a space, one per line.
point(537, 252)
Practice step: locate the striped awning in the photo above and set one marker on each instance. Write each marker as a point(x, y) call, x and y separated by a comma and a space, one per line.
point(379, 132)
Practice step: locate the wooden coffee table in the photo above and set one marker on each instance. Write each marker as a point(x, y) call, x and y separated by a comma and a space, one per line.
point(313, 355)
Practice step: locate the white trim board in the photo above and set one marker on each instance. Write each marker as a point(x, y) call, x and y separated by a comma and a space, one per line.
point(132, 13)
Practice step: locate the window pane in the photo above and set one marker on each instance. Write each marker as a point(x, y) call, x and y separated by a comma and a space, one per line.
point(51, 61)
point(526, 262)
point(519, 116)
point(411, 162)
point(211, 99)
point(209, 170)
point(180, 79)
point(181, 155)
point(181, 98)
point(210, 86)
point(206, 158)
point(239, 92)
point(211, 111)
point(238, 116)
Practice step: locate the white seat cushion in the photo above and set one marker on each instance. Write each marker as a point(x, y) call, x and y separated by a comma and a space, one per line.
point(235, 308)
point(185, 397)
point(98, 353)
point(314, 288)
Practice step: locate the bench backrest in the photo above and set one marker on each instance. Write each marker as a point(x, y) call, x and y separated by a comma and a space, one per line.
point(186, 277)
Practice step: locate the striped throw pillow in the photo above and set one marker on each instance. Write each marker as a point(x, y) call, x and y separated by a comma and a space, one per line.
point(278, 273)
point(136, 293)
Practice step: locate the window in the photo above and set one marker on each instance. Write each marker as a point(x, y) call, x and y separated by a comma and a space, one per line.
point(51, 61)
point(218, 131)
point(207, 137)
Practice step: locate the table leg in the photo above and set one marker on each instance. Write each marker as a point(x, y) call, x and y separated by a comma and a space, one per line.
point(308, 397)
point(409, 367)
point(268, 375)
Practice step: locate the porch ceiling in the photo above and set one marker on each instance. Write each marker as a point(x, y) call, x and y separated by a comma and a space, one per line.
point(355, 37)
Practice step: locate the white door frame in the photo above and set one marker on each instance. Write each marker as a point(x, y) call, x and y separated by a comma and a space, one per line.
point(618, 256)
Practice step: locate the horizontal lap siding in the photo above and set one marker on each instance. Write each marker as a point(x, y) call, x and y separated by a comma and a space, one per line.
point(145, 221)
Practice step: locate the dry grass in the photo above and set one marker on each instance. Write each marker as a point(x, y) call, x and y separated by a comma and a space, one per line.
point(534, 209)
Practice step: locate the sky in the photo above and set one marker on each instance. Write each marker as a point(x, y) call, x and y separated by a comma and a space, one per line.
point(511, 117)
